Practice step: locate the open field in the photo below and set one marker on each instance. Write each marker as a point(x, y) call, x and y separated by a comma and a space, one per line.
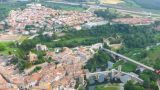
point(12, 37)
point(111, 1)
point(9, 37)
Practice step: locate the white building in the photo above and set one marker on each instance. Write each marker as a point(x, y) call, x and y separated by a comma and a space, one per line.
point(41, 47)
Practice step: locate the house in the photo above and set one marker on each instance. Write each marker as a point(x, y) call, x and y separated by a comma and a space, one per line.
point(1, 25)
point(41, 47)
point(93, 24)
point(97, 46)
point(32, 57)
point(25, 32)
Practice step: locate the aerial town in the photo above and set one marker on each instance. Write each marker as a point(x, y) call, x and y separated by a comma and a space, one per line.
point(39, 16)
point(62, 75)
point(78, 45)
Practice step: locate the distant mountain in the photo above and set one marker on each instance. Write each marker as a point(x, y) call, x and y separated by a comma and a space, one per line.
point(4, 0)
point(149, 4)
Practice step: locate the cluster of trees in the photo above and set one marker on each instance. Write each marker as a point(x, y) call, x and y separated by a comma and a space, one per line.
point(106, 14)
point(130, 85)
point(149, 78)
point(29, 27)
point(74, 43)
point(132, 36)
point(99, 61)
point(29, 44)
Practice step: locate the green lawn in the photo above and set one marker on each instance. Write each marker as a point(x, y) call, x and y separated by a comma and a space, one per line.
point(9, 47)
point(126, 66)
point(107, 87)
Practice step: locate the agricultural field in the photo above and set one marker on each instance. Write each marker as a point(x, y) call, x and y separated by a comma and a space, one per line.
point(111, 1)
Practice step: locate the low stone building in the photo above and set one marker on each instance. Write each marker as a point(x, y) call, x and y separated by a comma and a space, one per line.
point(32, 57)
point(41, 47)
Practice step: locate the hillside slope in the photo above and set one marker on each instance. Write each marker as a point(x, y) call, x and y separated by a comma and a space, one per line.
point(149, 4)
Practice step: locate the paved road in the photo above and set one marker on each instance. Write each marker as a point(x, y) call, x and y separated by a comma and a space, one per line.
point(128, 59)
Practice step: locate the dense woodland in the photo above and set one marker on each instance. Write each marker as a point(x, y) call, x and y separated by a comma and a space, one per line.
point(107, 14)
point(99, 61)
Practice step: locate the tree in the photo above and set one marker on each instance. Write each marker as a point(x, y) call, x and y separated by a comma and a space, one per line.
point(106, 14)
point(99, 60)
point(131, 86)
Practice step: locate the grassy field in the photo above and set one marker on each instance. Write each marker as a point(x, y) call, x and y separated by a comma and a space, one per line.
point(154, 53)
point(8, 47)
point(107, 87)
